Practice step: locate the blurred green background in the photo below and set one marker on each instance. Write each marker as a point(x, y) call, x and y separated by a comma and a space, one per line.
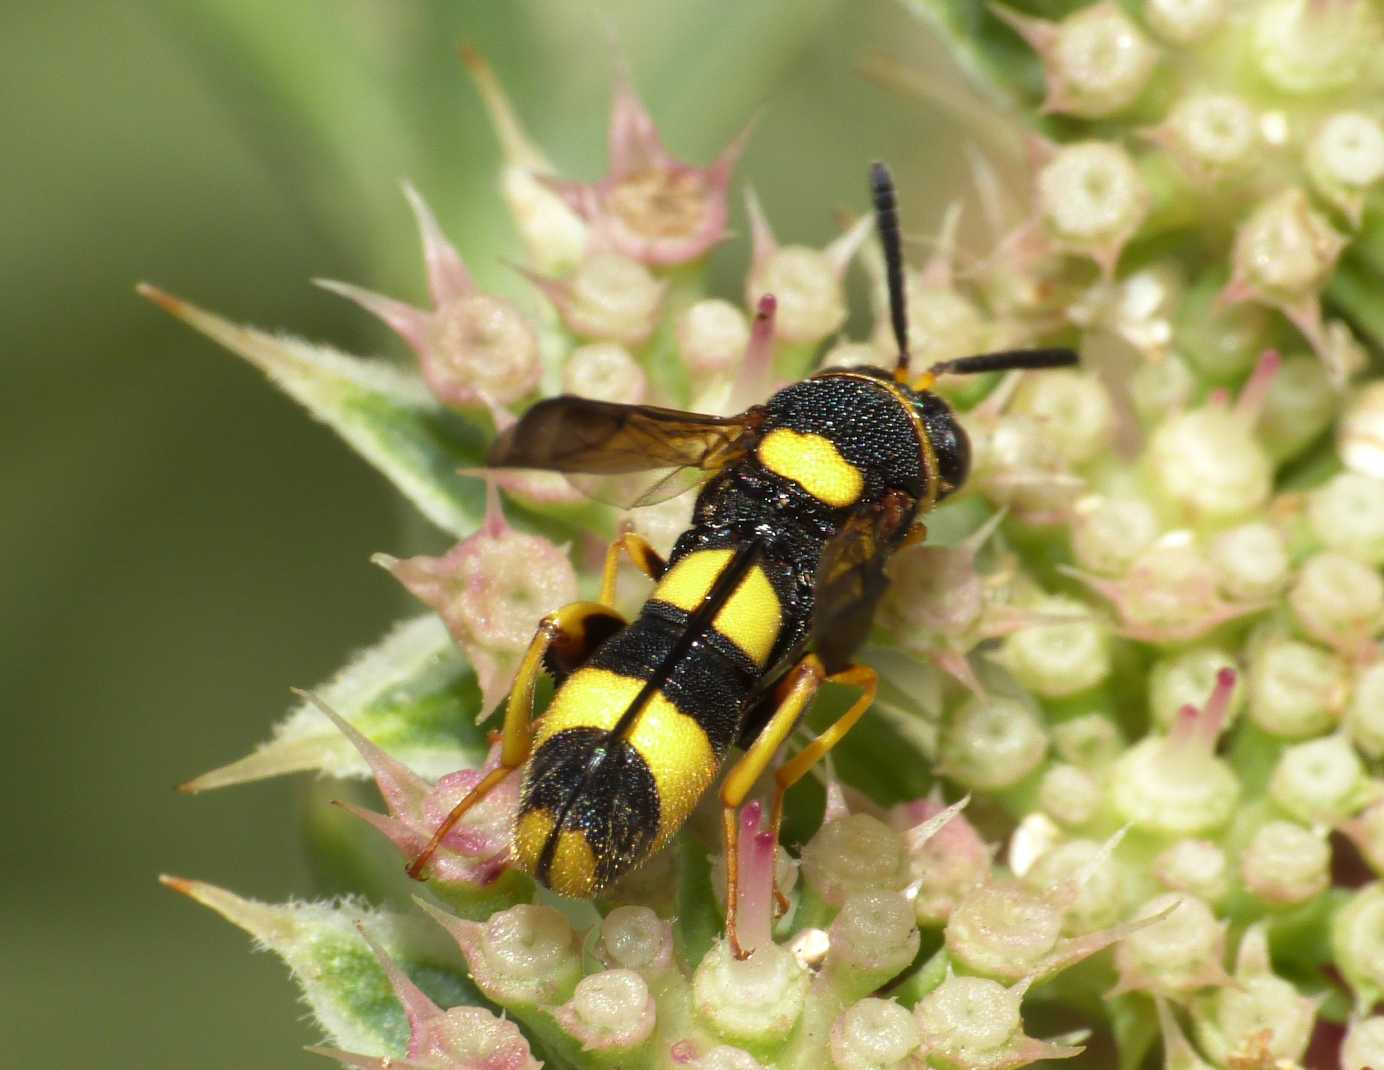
point(182, 545)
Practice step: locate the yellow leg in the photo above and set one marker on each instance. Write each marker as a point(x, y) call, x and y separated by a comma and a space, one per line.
point(644, 557)
point(567, 625)
point(795, 693)
point(793, 770)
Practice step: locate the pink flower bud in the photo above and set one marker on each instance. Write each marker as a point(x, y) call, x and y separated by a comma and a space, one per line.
point(491, 590)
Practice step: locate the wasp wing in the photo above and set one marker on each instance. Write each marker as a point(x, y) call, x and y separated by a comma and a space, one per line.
point(587, 438)
point(851, 579)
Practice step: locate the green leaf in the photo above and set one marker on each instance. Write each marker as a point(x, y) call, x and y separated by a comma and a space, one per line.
point(383, 412)
point(342, 982)
point(413, 694)
point(1356, 290)
point(699, 920)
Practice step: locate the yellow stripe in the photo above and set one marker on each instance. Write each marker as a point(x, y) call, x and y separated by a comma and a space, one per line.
point(671, 743)
point(814, 463)
point(573, 870)
point(752, 616)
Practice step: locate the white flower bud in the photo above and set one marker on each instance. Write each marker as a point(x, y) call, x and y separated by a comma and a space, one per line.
point(1108, 534)
point(528, 955)
point(1285, 863)
point(1364, 1045)
point(1367, 833)
point(1285, 249)
point(857, 853)
point(1183, 22)
point(942, 324)
point(1300, 404)
point(965, 1018)
point(712, 336)
point(1251, 561)
point(1072, 408)
point(611, 1012)
point(811, 299)
point(725, 1057)
point(1360, 432)
point(1208, 462)
point(1016, 463)
point(635, 938)
point(1260, 1016)
point(1159, 387)
point(1090, 194)
point(874, 1034)
point(1296, 689)
point(1100, 900)
point(1320, 782)
point(606, 372)
point(1357, 943)
point(1070, 795)
point(853, 355)
point(1217, 132)
point(1196, 866)
point(480, 342)
point(1100, 60)
point(1338, 600)
point(1004, 930)
point(1173, 787)
point(1365, 714)
point(873, 939)
point(752, 1001)
point(1090, 741)
point(1305, 47)
point(1347, 515)
point(613, 297)
point(1347, 153)
point(1055, 660)
point(1177, 954)
point(991, 743)
point(1186, 679)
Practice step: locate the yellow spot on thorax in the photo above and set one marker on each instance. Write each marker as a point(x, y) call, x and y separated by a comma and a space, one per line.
point(672, 744)
point(814, 463)
point(751, 617)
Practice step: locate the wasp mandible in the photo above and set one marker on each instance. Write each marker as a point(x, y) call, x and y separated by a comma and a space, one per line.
point(765, 598)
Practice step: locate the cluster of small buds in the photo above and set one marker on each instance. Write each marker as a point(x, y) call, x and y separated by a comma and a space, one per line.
point(1145, 636)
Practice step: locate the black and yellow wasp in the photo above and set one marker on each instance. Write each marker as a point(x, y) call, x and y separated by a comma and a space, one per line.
point(764, 598)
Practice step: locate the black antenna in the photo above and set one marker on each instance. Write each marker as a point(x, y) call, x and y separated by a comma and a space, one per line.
point(1006, 361)
point(887, 220)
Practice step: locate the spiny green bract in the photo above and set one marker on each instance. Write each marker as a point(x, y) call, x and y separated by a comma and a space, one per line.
point(1144, 641)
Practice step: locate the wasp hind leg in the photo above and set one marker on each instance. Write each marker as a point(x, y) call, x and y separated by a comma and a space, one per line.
point(795, 694)
point(564, 639)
